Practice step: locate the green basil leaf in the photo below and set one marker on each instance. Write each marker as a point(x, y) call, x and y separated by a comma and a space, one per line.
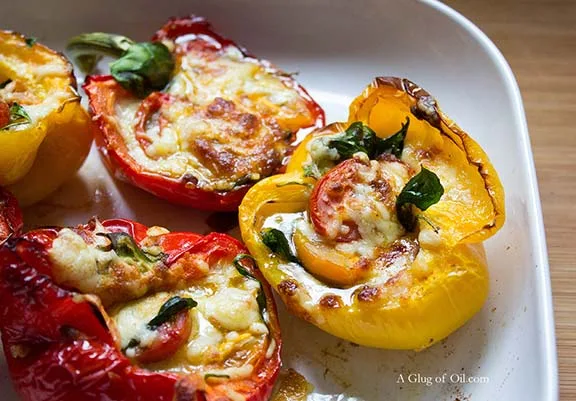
point(260, 298)
point(18, 116)
point(246, 179)
point(125, 246)
point(144, 68)
point(357, 138)
point(131, 344)
point(169, 309)
point(361, 138)
point(423, 190)
point(5, 83)
point(17, 112)
point(275, 240)
point(241, 269)
point(261, 301)
point(216, 376)
point(394, 144)
point(31, 41)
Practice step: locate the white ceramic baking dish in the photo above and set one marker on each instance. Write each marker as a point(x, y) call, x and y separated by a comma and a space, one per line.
point(506, 352)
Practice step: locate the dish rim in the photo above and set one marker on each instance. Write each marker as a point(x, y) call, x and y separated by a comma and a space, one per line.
point(545, 316)
point(547, 343)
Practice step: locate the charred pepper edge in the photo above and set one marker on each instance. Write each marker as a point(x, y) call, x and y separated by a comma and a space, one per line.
point(258, 386)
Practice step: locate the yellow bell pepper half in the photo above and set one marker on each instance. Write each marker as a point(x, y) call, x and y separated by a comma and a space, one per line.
point(348, 265)
point(47, 136)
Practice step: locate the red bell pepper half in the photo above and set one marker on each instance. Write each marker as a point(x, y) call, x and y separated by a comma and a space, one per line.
point(224, 121)
point(63, 344)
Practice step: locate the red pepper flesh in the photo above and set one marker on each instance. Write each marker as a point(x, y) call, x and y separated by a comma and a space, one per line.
point(103, 93)
point(58, 344)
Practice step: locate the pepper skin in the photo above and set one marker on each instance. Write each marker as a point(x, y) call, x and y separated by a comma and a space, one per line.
point(212, 132)
point(62, 344)
point(369, 279)
point(10, 216)
point(39, 155)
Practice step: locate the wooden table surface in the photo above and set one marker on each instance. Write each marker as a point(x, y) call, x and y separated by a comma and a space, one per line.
point(538, 38)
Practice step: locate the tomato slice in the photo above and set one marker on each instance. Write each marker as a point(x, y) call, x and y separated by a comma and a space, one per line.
point(171, 336)
point(357, 192)
point(4, 114)
point(149, 106)
point(329, 217)
point(325, 262)
point(353, 202)
point(327, 202)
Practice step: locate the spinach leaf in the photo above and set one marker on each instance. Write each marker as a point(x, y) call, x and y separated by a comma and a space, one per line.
point(169, 309)
point(144, 68)
point(260, 298)
point(423, 190)
point(5, 83)
point(275, 240)
point(215, 376)
point(394, 144)
point(361, 138)
point(357, 138)
point(125, 246)
point(31, 41)
point(241, 269)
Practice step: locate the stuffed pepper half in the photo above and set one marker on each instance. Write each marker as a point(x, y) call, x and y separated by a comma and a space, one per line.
point(45, 134)
point(191, 117)
point(118, 311)
point(374, 232)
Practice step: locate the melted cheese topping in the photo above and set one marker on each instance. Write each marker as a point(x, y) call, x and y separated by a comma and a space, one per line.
point(131, 320)
point(229, 121)
point(77, 264)
point(374, 212)
point(370, 205)
point(227, 325)
point(311, 289)
point(322, 156)
point(229, 333)
point(233, 309)
point(40, 78)
point(90, 268)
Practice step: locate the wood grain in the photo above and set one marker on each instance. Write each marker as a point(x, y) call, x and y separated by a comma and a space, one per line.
point(538, 38)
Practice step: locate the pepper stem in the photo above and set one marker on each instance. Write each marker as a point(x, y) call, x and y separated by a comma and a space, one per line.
point(88, 48)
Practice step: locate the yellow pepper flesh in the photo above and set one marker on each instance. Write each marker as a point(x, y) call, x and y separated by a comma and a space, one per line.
point(38, 156)
point(422, 296)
